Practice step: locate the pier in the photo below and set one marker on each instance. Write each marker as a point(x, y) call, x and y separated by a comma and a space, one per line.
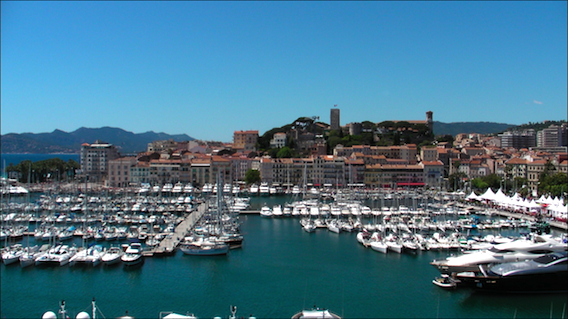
point(168, 245)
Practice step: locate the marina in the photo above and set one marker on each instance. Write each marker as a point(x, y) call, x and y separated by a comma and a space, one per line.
point(278, 262)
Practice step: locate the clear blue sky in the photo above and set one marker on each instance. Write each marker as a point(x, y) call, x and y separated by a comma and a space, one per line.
point(209, 68)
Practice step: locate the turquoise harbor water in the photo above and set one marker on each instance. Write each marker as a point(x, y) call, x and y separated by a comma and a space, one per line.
point(279, 271)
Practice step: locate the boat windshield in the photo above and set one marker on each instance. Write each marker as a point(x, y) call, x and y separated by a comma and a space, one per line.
point(546, 259)
point(500, 251)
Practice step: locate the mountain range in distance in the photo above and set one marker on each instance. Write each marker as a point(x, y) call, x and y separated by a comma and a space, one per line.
point(63, 142)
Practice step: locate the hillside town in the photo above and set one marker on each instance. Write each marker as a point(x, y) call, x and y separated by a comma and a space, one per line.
point(509, 155)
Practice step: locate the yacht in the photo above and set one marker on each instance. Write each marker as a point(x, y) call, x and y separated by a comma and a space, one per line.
point(88, 256)
point(315, 313)
point(12, 254)
point(57, 255)
point(133, 255)
point(253, 190)
point(277, 211)
point(264, 189)
point(265, 211)
point(548, 273)
point(205, 248)
point(112, 256)
point(517, 250)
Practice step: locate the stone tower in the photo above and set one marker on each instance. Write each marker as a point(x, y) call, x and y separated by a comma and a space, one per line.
point(430, 121)
point(334, 121)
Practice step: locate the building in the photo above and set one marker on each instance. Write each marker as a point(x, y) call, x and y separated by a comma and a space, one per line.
point(518, 140)
point(245, 141)
point(394, 176)
point(119, 171)
point(429, 154)
point(430, 121)
point(553, 136)
point(95, 158)
point(334, 119)
point(278, 140)
point(162, 146)
point(516, 167)
point(433, 173)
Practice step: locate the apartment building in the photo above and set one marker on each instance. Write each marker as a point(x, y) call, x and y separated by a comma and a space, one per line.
point(407, 152)
point(95, 158)
point(119, 171)
point(429, 154)
point(516, 167)
point(553, 136)
point(518, 140)
point(245, 141)
point(433, 172)
point(394, 176)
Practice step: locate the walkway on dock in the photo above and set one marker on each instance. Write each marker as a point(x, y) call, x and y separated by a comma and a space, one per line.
point(168, 244)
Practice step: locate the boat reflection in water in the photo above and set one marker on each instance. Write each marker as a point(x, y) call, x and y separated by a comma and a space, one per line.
point(548, 273)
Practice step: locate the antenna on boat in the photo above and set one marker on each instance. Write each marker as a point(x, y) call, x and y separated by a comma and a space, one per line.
point(62, 310)
point(94, 308)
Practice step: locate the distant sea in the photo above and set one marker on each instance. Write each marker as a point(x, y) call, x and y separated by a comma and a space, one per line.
point(7, 159)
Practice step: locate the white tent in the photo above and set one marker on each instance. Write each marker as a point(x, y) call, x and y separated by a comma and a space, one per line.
point(488, 195)
point(500, 197)
point(472, 196)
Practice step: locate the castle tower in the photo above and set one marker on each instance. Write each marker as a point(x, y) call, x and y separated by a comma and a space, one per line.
point(430, 121)
point(334, 121)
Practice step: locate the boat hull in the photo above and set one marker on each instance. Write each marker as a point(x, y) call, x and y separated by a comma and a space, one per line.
point(205, 251)
point(543, 283)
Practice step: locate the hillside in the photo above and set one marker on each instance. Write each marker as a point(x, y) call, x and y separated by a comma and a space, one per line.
point(453, 129)
point(62, 142)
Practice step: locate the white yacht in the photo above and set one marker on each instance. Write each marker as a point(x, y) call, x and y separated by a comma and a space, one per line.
point(133, 255)
point(253, 190)
point(58, 255)
point(315, 313)
point(264, 189)
point(265, 211)
point(88, 256)
point(277, 211)
point(517, 250)
point(112, 256)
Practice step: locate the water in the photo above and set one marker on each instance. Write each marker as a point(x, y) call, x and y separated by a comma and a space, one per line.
point(279, 271)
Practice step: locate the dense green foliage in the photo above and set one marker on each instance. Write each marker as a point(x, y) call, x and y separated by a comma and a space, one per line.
point(252, 176)
point(554, 185)
point(53, 169)
point(537, 126)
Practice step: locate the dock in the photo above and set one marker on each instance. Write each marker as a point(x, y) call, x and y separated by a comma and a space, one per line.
point(168, 245)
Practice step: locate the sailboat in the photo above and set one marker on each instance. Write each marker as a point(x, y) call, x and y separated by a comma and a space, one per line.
point(214, 245)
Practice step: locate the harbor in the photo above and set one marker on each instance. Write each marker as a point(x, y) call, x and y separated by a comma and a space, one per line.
point(309, 269)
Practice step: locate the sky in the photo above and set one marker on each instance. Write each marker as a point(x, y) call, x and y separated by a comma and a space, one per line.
point(208, 69)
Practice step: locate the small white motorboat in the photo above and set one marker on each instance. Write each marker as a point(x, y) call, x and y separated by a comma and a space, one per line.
point(445, 281)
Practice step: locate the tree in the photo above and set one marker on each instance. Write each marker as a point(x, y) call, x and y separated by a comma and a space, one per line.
point(285, 152)
point(456, 180)
point(553, 185)
point(52, 169)
point(478, 184)
point(252, 176)
point(396, 139)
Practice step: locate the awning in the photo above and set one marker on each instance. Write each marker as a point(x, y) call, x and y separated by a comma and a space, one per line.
point(409, 184)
